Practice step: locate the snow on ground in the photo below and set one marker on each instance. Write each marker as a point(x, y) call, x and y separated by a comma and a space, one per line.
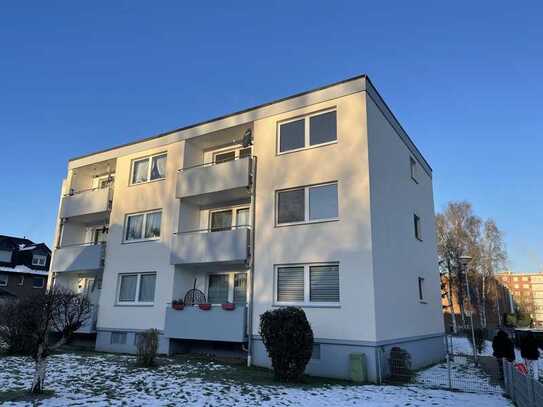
point(100, 380)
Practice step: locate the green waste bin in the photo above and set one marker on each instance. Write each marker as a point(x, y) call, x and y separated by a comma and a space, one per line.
point(357, 364)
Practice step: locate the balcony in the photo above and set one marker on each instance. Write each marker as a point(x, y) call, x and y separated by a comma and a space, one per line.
point(213, 325)
point(211, 183)
point(84, 257)
point(89, 203)
point(205, 247)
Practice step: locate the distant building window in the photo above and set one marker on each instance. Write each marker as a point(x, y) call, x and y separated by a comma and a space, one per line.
point(417, 227)
point(413, 169)
point(421, 288)
point(118, 338)
point(137, 288)
point(5, 256)
point(148, 169)
point(315, 284)
point(38, 282)
point(38, 260)
point(143, 226)
point(307, 204)
point(21, 280)
point(3, 280)
point(312, 130)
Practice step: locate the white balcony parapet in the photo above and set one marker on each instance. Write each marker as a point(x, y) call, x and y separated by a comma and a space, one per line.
point(87, 202)
point(208, 183)
point(226, 246)
point(83, 257)
point(215, 324)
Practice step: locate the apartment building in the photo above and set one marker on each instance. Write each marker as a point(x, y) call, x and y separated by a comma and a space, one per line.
point(527, 293)
point(318, 200)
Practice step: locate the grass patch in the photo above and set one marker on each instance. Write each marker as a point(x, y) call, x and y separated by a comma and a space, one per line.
point(23, 395)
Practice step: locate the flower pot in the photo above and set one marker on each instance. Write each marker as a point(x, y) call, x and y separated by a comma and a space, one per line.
point(178, 307)
point(204, 307)
point(228, 306)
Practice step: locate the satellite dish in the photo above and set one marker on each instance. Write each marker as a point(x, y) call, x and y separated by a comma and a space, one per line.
point(248, 138)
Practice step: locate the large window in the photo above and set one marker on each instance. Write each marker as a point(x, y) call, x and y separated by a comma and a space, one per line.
point(309, 131)
point(307, 284)
point(39, 260)
point(226, 219)
point(137, 288)
point(143, 226)
point(307, 204)
point(148, 169)
point(227, 287)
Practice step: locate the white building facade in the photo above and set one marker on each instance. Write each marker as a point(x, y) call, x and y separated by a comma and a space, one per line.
point(319, 200)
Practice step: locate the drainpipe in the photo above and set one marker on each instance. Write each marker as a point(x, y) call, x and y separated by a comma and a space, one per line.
point(252, 265)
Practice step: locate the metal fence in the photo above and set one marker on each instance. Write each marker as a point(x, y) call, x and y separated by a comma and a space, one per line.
point(523, 390)
point(458, 373)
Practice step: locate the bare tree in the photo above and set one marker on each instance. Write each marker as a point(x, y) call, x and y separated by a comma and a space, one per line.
point(34, 318)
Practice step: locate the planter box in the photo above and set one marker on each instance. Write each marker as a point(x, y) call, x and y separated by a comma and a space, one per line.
point(228, 306)
point(204, 307)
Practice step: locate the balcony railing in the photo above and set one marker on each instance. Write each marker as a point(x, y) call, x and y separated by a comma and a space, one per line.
point(215, 324)
point(86, 202)
point(79, 257)
point(215, 182)
point(228, 246)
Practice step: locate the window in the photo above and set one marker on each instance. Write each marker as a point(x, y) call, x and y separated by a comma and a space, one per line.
point(421, 289)
point(38, 282)
point(38, 260)
point(148, 169)
point(416, 223)
point(413, 169)
point(309, 284)
point(224, 157)
point(307, 204)
point(118, 338)
point(137, 288)
point(227, 287)
point(143, 226)
point(3, 280)
point(5, 256)
point(21, 280)
point(312, 130)
point(226, 219)
point(231, 154)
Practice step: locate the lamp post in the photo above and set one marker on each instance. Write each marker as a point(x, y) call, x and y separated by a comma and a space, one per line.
point(464, 261)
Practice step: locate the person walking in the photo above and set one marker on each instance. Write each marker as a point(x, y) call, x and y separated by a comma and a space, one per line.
point(530, 353)
point(503, 348)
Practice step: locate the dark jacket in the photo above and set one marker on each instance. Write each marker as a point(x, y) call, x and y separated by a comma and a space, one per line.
point(503, 346)
point(528, 347)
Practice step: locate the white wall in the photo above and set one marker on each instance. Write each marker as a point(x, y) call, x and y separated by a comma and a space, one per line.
point(347, 240)
point(399, 258)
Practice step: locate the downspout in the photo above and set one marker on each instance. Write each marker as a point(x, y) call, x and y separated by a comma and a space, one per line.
point(252, 265)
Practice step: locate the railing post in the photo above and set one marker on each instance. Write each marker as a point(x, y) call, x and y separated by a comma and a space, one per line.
point(449, 370)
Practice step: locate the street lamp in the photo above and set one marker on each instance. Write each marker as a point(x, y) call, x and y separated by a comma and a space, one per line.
point(464, 261)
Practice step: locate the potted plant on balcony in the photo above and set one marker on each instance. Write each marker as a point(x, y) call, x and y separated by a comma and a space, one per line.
point(178, 305)
point(204, 307)
point(228, 306)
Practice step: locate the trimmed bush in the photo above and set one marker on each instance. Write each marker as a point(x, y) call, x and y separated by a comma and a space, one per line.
point(147, 344)
point(400, 365)
point(288, 338)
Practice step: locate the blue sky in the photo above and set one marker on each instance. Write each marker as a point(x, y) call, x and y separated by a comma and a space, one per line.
point(464, 79)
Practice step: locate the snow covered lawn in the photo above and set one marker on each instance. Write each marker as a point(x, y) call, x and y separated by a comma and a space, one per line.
point(101, 379)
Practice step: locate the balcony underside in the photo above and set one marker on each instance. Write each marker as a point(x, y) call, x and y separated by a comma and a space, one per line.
point(215, 324)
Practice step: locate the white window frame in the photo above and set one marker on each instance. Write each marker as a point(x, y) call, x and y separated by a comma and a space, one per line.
point(307, 286)
point(143, 226)
point(306, 220)
point(234, 210)
point(137, 295)
point(149, 168)
point(231, 282)
point(235, 149)
point(4, 279)
point(39, 257)
point(42, 282)
point(307, 133)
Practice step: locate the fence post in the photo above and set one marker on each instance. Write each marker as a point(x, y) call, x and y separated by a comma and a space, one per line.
point(449, 370)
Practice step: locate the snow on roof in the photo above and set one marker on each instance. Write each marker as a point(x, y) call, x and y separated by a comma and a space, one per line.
point(22, 249)
point(24, 270)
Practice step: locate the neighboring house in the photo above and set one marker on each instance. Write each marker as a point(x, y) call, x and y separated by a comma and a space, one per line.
point(24, 267)
point(330, 209)
point(527, 293)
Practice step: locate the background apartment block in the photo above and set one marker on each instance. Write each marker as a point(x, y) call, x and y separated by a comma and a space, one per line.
point(330, 209)
point(527, 292)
